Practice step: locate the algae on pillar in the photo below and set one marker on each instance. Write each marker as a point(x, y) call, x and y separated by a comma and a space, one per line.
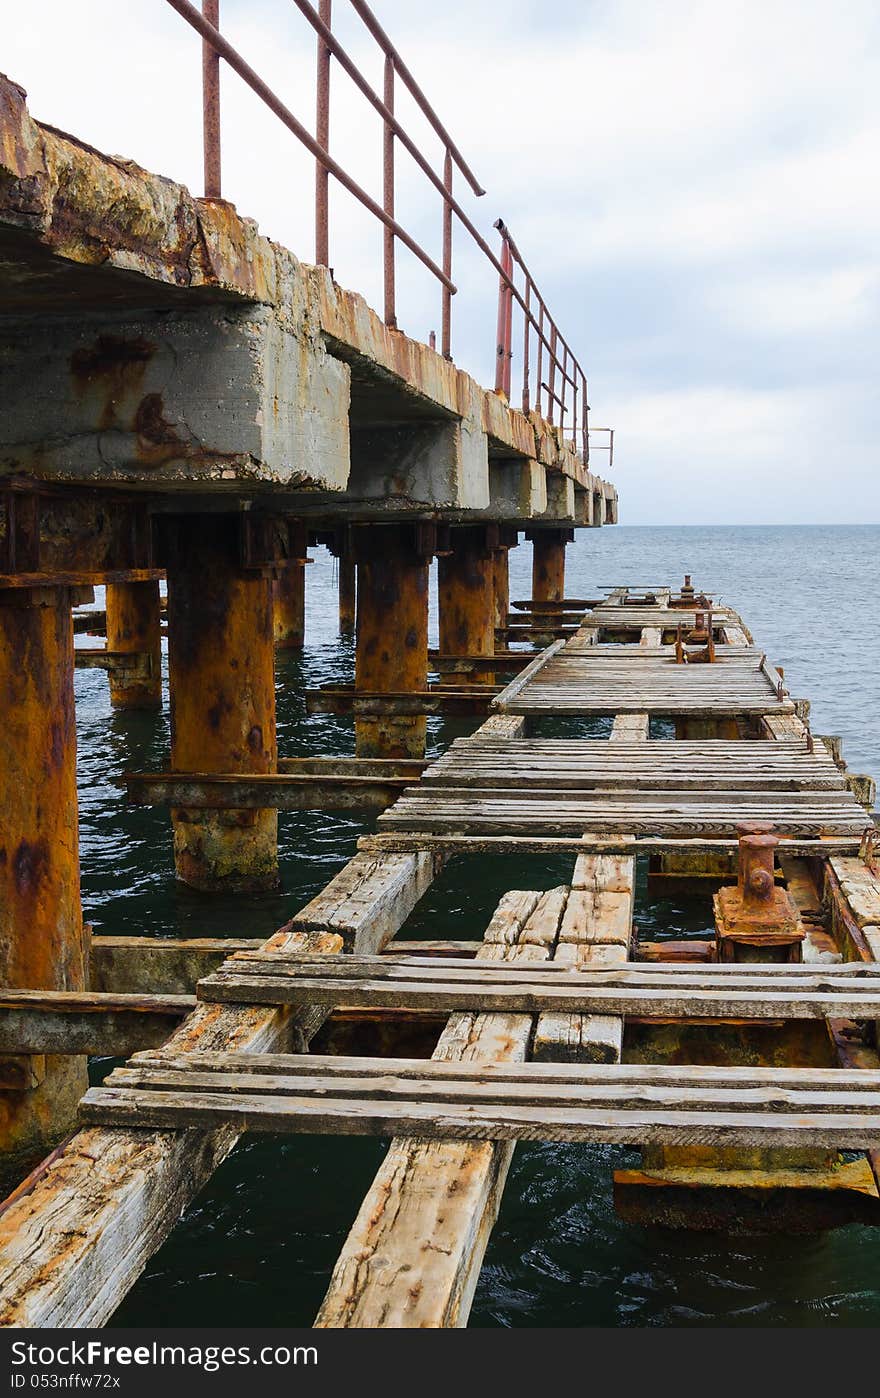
point(466, 594)
point(134, 627)
point(391, 651)
point(222, 686)
point(42, 940)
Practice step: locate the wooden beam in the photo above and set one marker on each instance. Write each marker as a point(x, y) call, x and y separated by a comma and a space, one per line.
point(787, 1107)
point(80, 1022)
point(414, 1252)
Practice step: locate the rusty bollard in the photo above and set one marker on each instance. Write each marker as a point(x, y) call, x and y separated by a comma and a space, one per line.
point(757, 920)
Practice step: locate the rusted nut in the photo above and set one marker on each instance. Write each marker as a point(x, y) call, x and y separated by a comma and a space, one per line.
point(760, 883)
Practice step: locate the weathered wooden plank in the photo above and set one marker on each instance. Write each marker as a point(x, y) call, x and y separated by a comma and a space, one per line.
point(584, 996)
point(73, 1246)
point(282, 791)
point(163, 965)
point(477, 1069)
point(483, 1087)
point(501, 701)
point(71, 1022)
point(369, 899)
point(453, 842)
point(414, 1252)
point(723, 1127)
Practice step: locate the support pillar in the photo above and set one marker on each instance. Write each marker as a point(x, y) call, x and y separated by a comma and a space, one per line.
point(289, 607)
point(466, 595)
point(134, 627)
point(548, 563)
point(42, 943)
point(222, 682)
point(507, 540)
point(347, 594)
point(391, 651)
point(289, 589)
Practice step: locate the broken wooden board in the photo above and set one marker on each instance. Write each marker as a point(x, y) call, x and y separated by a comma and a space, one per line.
point(616, 1104)
point(413, 1255)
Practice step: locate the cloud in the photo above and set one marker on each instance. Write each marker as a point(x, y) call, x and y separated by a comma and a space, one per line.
point(691, 184)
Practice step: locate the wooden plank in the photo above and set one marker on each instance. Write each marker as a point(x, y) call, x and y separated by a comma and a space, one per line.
point(849, 1122)
point(72, 1247)
point(264, 791)
point(369, 899)
point(163, 965)
point(475, 1069)
point(414, 1252)
point(501, 701)
point(453, 843)
point(587, 991)
point(71, 1022)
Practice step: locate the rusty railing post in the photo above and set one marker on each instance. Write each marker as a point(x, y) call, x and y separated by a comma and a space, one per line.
point(211, 104)
point(551, 381)
point(388, 194)
point(446, 305)
point(505, 316)
point(322, 135)
point(526, 402)
point(539, 375)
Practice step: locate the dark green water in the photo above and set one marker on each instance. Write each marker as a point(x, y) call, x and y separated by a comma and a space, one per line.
point(258, 1245)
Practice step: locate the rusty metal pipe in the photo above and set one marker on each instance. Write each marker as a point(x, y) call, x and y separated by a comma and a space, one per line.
point(382, 39)
point(446, 299)
point(322, 133)
point(289, 607)
point(388, 198)
point(466, 597)
point(391, 649)
point(211, 104)
point(222, 674)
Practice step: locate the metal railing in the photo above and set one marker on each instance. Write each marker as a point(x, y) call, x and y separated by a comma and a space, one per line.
point(553, 382)
point(607, 445)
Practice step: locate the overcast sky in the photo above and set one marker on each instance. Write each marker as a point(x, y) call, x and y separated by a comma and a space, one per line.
point(694, 186)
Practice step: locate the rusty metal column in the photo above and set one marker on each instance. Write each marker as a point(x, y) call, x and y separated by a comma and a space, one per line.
point(548, 564)
point(347, 594)
point(42, 943)
point(507, 540)
point(289, 590)
point(134, 627)
point(222, 683)
point(289, 607)
point(466, 595)
point(391, 651)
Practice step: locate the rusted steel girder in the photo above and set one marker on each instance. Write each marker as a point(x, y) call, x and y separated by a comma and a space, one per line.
point(222, 684)
point(391, 652)
point(548, 563)
point(134, 627)
point(466, 595)
point(42, 943)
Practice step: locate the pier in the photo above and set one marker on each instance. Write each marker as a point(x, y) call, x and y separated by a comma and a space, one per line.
point(187, 411)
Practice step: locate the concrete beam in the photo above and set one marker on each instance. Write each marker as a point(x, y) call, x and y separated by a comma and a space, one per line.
point(221, 397)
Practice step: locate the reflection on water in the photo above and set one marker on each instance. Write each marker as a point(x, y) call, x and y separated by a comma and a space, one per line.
point(257, 1246)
